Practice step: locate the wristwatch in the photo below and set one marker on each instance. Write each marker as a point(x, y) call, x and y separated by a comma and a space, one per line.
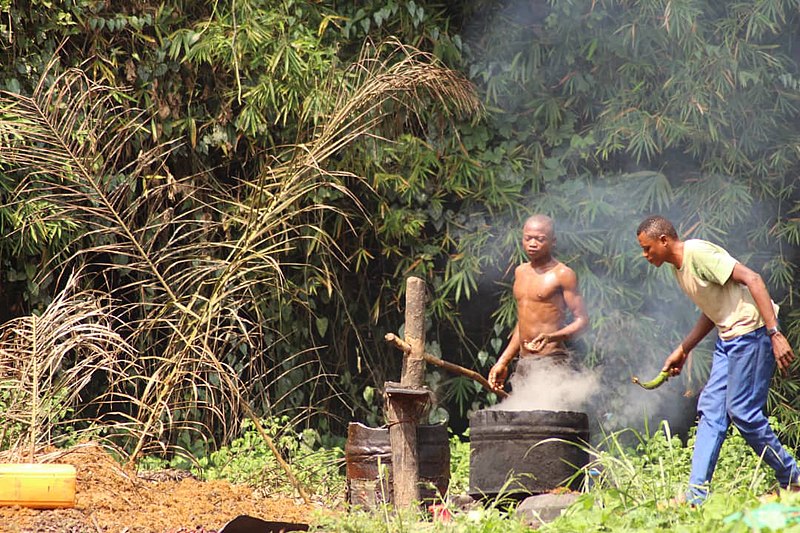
point(772, 331)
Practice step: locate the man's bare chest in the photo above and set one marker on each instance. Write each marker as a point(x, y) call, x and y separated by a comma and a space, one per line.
point(535, 287)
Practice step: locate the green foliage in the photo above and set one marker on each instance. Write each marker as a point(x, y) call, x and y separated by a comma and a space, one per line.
point(54, 408)
point(459, 465)
point(490, 520)
point(270, 58)
point(597, 113)
point(384, 521)
point(248, 460)
point(657, 466)
point(639, 475)
point(229, 257)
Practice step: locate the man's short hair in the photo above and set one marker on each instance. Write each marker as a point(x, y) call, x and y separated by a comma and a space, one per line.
point(655, 225)
point(542, 219)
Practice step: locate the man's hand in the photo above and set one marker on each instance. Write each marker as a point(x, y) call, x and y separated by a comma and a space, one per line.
point(497, 376)
point(537, 344)
point(674, 363)
point(783, 352)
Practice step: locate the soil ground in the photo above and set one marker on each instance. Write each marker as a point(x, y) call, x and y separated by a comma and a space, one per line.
point(113, 499)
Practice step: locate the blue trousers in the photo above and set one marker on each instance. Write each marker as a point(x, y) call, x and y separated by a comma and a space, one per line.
point(736, 393)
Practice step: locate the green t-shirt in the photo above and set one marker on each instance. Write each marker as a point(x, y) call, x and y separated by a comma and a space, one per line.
point(705, 276)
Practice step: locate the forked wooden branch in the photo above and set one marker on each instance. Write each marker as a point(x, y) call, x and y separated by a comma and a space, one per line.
point(399, 343)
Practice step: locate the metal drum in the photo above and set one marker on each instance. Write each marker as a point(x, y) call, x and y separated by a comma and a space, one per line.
point(368, 458)
point(519, 453)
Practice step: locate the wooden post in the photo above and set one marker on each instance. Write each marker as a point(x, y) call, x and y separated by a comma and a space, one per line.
point(407, 401)
point(413, 364)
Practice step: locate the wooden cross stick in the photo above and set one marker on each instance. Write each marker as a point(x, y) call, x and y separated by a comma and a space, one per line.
point(391, 338)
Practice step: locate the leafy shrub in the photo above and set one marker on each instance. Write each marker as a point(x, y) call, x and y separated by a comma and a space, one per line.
point(459, 464)
point(248, 459)
point(635, 486)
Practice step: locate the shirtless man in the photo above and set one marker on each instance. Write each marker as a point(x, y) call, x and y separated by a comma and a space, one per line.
point(544, 289)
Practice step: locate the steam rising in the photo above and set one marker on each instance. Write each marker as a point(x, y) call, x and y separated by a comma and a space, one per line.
point(548, 386)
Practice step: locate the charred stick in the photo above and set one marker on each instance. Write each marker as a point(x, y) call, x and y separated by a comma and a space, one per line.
point(399, 343)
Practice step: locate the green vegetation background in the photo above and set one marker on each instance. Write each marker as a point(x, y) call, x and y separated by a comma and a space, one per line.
point(594, 112)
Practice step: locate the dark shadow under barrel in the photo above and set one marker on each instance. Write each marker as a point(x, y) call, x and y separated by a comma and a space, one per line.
point(520, 453)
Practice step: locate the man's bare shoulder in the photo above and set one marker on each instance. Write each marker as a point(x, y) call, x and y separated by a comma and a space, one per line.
point(561, 267)
point(564, 273)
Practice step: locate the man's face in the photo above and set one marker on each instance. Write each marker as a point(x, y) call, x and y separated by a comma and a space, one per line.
point(653, 249)
point(537, 240)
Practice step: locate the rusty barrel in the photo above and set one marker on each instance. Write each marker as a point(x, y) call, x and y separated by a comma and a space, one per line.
point(519, 453)
point(368, 458)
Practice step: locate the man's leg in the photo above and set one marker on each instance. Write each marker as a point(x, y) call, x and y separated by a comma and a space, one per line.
point(711, 427)
point(751, 365)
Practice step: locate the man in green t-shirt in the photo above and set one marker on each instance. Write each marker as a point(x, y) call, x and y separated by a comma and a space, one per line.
point(735, 300)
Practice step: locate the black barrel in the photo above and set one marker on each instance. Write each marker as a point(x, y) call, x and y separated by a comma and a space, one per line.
point(368, 458)
point(519, 453)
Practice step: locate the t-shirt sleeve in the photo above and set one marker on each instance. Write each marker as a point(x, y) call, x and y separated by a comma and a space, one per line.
point(714, 264)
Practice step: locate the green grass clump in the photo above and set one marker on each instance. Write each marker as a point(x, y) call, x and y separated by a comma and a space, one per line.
point(388, 520)
point(248, 460)
point(459, 465)
point(640, 476)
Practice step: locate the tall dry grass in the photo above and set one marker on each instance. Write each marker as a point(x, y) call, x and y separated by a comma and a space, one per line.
point(166, 320)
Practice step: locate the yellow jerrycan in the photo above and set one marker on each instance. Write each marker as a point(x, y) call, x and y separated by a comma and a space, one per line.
point(40, 486)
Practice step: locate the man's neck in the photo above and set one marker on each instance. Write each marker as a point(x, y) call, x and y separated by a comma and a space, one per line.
point(543, 263)
point(676, 254)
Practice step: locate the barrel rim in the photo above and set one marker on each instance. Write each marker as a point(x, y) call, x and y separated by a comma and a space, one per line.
point(361, 425)
point(490, 410)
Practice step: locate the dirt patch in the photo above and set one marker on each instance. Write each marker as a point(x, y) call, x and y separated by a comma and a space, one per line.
point(111, 498)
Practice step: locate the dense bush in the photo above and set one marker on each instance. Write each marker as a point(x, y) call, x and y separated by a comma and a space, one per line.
point(596, 113)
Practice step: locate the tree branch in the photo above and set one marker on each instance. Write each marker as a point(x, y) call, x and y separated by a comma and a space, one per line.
point(399, 343)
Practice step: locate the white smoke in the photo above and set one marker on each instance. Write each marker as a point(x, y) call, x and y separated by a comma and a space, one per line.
point(549, 386)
